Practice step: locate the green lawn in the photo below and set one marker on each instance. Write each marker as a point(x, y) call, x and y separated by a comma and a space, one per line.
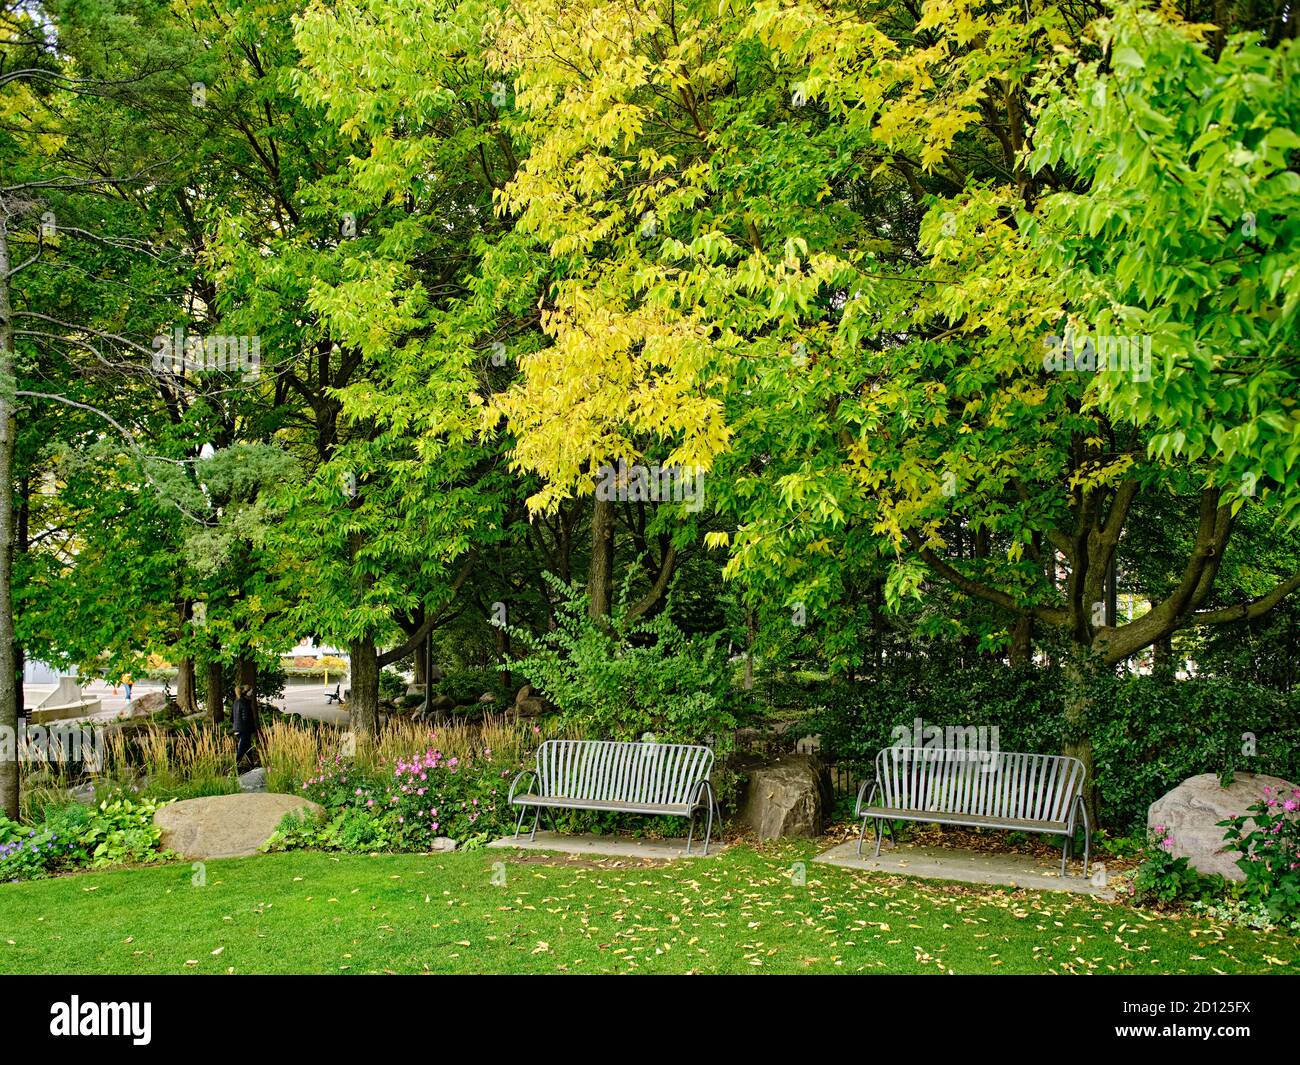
point(742, 911)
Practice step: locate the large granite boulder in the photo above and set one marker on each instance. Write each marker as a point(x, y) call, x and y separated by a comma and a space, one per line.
point(226, 826)
point(149, 703)
point(439, 706)
point(1189, 816)
point(530, 703)
point(787, 797)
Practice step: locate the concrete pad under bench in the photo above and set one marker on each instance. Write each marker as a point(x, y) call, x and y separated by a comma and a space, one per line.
point(1006, 869)
point(611, 846)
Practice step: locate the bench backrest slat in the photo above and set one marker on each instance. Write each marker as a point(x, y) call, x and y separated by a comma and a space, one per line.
point(658, 774)
point(1007, 785)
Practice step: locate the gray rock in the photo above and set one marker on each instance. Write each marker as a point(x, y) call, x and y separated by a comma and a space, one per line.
point(1189, 814)
point(487, 697)
point(226, 826)
point(253, 780)
point(534, 707)
point(83, 793)
point(149, 703)
point(787, 797)
point(439, 706)
point(443, 843)
point(529, 702)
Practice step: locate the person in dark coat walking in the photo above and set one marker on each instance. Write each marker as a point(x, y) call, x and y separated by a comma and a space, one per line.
point(243, 722)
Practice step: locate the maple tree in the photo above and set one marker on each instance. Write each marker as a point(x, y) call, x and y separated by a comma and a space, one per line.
point(950, 305)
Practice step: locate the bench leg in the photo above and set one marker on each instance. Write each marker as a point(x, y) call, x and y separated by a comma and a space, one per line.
point(533, 834)
point(862, 836)
point(690, 835)
point(708, 832)
point(523, 810)
point(880, 833)
point(1065, 853)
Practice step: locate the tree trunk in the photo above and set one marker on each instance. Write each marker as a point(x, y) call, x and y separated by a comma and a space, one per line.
point(363, 702)
point(600, 575)
point(1162, 655)
point(216, 693)
point(503, 652)
point(1084, 673)
point(8, 644)
point(20, 547)
point(186, 696)
point(749, 651)
point(1022, 640)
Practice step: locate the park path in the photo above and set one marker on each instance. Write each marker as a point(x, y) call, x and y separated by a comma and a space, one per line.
point(307, 700)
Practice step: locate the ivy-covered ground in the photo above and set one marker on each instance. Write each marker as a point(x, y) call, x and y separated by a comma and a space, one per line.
point(492, 911)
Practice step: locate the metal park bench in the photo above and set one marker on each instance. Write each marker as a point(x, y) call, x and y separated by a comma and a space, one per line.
point(634, 778)
point(977, 789)
point(332, 697)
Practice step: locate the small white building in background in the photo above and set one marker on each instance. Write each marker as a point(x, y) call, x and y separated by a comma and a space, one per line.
point(310, 648)
point(41, 673)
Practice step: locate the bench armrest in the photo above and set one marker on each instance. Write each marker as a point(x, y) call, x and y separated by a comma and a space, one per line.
point(699, 786)
point(857, 808)
point(515, 783)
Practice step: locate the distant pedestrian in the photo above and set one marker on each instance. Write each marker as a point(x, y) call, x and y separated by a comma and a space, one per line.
point(242, 722)
point(126, 684)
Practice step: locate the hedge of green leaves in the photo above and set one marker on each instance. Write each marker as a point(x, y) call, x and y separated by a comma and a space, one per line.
point(1149, 732)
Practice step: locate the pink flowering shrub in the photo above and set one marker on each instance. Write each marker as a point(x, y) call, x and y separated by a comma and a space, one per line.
point(411, 803)
point(1268, 840)
point(1165, 880)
